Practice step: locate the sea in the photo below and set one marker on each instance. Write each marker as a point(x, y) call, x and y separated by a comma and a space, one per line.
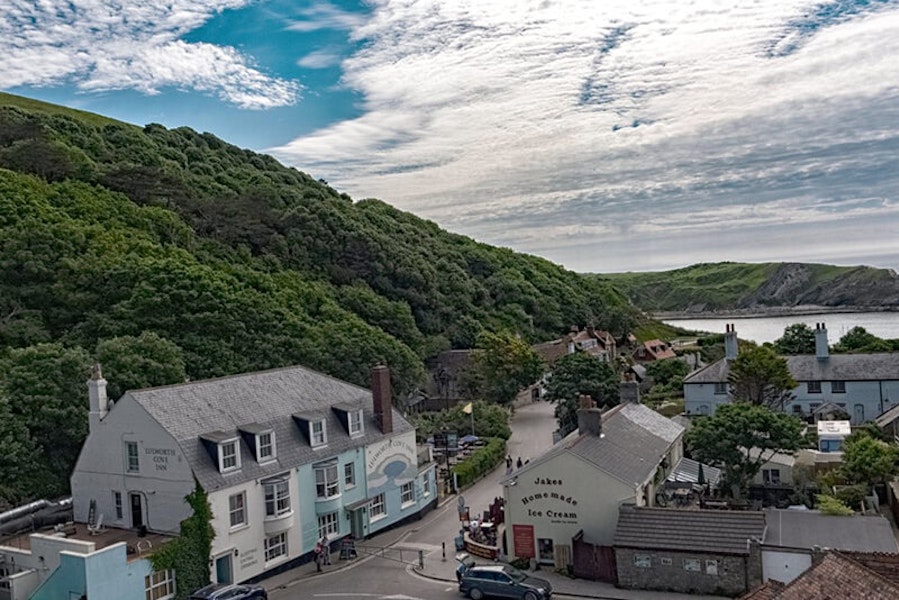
point(761, 329)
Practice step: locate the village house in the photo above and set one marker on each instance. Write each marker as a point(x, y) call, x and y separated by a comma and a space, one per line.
point(571, 494)
point(652, 350)
point(688, 550)
point(863, 385)
point(285, 457)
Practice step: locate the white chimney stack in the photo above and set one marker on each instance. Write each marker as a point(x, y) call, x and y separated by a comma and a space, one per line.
point(822, 351)
point(731, 348)
point(96, 393)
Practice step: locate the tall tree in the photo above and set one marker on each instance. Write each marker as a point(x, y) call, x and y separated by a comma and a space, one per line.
point(740, 438)
point(867, 460)
point(576, 374)
point(759, 376)
point(502, 366)
point(131, 363)
point(18, 459)
point(47, 391)
point(798, 338)
point(858, 339)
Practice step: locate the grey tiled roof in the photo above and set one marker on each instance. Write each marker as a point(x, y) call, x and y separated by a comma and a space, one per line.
point(634, 440)
point(807, 367)
point(264, 399)
point(708, 531)
point(687, 470)
point(805, 529)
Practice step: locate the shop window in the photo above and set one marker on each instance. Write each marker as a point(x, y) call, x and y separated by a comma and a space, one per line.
point(160, 585)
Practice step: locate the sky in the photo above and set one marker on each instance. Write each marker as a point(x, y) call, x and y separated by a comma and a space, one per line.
point(605, 136)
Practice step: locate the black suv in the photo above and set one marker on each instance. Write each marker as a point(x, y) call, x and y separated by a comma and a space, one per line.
point(501, 581)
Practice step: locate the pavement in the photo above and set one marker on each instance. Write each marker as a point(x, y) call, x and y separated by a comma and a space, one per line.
point(443, 569)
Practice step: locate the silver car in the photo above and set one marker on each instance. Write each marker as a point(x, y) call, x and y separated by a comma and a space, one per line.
point(502, 581)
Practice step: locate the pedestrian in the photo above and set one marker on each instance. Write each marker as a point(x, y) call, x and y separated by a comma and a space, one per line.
point(519, 463)
point(325, 551)
point(318, 557)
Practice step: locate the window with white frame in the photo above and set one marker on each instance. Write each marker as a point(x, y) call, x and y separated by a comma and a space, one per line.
point(771, 476)
point(326, 483)
point(160, 585)
point(814, 387)
point(692, 564)
point(265, 446)
point(355, 418)
point(275, 546)
point(117, 502)
point(377, 508)
point(277, 496)
point(642, 561)
point(328, 525)
point(720, 387)
point(349, 475)
point(425, 485)
point(133, 460)
point(237, 509)
point(229, 456)
point(838, 387)
point(317, 433)
point(407, 493)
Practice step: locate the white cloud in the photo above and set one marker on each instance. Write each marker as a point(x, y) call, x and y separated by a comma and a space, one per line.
point(576, 124)
point(320, 59)
point(324, 15)
point(103, 45)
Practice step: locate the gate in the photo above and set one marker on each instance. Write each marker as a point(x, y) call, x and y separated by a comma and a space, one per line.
point(591, 561)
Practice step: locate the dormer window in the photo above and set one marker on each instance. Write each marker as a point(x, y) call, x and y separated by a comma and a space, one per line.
point(229, 456)
point(265, 447)
point(318, 435)
point(355, 422)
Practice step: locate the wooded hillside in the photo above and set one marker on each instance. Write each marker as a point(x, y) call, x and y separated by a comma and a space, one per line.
point(168, 254)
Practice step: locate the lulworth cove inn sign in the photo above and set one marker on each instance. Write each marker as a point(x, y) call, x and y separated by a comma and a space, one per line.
point(560, 508)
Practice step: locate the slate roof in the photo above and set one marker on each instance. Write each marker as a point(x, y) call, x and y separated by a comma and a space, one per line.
point(805, 529)
point(837, 577)
point(888, 416)
point(806, 367)
point(251, 401)
point(634, 440)
point(705, 531)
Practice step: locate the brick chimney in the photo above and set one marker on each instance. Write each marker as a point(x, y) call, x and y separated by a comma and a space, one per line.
point(822, 351)
point(98, 402)
point(589, 418)
point(629, 390)
point(382, 397)
point(731, 348)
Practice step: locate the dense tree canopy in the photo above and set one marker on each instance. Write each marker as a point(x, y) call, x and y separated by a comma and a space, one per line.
point(867, 460)
point(577, 374)
point(170, 254)
point(858, 339)
point(761, 377)
point(501, 366)
point(740, 437)
point(798, 338)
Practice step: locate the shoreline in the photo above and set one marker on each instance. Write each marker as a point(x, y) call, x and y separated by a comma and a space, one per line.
point(766, 312)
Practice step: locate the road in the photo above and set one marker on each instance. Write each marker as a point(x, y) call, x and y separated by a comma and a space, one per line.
point(391, 576)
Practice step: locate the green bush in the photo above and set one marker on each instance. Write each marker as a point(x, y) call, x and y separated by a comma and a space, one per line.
point(480, 462)
point(828, 505)
point(852, 496)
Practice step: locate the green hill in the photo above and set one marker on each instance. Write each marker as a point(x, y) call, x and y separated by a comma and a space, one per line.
point(756, 287)
point(173, 254)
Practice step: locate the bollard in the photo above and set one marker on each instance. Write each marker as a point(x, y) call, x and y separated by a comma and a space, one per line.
point(421, 559)
point(443, 545)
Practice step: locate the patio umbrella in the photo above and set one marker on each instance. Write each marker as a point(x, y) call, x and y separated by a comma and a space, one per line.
point(467, 439)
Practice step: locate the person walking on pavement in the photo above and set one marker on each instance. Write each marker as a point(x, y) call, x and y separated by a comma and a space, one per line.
point(519, 463)
point(318, 557)
point(325, 551)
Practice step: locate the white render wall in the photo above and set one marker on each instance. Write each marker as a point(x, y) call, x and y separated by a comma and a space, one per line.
point(163, 480)
point(784, 566)
point(573, 487)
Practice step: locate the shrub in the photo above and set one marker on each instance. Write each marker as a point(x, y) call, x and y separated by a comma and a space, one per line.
point(852, 496)
point(480, 462)
point(829, 505)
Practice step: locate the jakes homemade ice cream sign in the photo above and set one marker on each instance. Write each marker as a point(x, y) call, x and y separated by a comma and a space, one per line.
point(391, 462)
point(550, 502)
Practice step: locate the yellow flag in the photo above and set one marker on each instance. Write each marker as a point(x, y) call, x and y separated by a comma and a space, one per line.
point(467, 409)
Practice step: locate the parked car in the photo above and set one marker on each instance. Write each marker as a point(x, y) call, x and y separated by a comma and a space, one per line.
point(499, 581)
point(230, 591)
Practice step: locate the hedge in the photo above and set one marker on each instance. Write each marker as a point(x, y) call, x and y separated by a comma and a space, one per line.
point(480, 462)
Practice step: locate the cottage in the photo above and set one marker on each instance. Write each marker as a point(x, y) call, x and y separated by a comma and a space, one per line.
point(575, 488)
point(690, 551)
point(794, 536)
point(285, 456)
point(861, 385)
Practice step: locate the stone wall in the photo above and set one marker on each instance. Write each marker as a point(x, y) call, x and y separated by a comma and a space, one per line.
point(685, 572)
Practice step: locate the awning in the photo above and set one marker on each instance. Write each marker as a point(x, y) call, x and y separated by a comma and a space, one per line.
point(687, 470)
